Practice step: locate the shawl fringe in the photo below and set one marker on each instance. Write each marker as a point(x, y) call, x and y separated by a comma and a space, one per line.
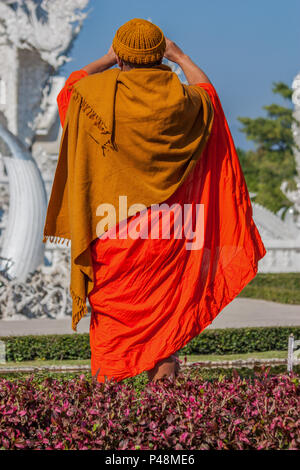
point(53, 239)
point(79, 305)
point(89, 111)
point(79, 309)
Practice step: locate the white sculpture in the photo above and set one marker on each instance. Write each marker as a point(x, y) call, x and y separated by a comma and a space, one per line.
point(45, 25)
point(35, 36)
point(22, 247)
point(43, 294)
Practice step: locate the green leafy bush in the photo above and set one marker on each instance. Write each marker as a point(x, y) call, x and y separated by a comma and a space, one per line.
point(241, 340)
point(217, 341)
point(57, 347)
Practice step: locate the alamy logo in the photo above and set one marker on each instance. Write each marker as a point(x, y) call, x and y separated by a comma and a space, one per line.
point(160, 222)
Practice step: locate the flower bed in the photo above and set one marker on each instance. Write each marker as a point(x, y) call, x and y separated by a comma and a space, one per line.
point(229, 413)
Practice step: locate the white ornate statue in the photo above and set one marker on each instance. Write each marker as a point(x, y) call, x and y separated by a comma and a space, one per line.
point(35, 37)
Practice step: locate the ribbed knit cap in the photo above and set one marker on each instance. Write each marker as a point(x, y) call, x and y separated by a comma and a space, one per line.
point(139, 42)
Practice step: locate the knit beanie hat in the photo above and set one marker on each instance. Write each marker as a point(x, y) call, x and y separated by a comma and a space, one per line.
point(139, 42)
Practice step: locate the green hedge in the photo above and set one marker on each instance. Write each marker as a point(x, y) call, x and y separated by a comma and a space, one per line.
point(219, 341)
point(241, 340)
point(58, 347)
point(276, 287)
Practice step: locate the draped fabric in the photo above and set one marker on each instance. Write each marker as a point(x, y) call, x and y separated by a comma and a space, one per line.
point(137, 134)
point(153, 295)
point(64, 96)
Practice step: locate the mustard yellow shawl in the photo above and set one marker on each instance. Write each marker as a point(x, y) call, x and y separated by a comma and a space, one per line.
point(137, 133)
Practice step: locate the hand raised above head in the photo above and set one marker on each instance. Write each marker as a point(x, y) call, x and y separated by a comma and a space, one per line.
point(112, 55)
point(108, 60)
point(173, 52)
point(192, 72)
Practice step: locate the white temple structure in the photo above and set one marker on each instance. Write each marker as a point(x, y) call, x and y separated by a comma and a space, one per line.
point(35, 38)
point(282, 237)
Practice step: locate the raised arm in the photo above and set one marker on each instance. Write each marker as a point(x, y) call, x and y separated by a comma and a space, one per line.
point(192, 72)
point(108, 60)
point(105, 62)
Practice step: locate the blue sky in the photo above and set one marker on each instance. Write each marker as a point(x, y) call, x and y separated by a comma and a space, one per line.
point(243, 46)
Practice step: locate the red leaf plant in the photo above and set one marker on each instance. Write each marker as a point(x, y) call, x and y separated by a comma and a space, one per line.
point(229, 413)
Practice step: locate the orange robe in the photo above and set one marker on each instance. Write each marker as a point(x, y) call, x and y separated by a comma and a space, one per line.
point(153, 295)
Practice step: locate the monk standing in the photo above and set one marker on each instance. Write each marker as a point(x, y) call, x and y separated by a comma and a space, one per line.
point(136, 133)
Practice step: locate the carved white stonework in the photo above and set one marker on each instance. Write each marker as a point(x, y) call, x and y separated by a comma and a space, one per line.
point(35, 38)
point(43, 294)
point(48, 26)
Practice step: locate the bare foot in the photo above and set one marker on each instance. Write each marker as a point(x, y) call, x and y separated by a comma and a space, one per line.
point(168, 367)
